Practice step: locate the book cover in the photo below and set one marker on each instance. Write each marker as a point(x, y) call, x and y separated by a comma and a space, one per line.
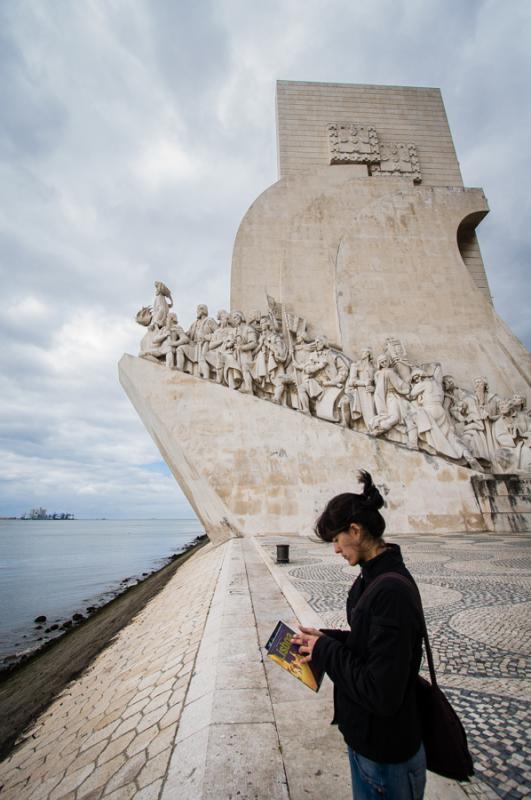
point(281, 650)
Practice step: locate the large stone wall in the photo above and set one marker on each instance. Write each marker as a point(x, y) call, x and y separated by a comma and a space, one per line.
point(397, 114)
point(370, 257)
point(249, 467)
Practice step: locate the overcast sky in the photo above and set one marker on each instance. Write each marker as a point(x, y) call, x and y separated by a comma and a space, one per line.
point(133, 137)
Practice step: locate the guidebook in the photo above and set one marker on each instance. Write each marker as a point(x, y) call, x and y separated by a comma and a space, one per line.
point(282, 651)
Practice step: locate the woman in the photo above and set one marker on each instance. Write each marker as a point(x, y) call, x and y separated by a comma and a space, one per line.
point(374, 666)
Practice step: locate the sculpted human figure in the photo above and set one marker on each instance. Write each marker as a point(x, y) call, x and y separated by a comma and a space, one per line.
point(520, 417)
point(502, 427)
point(161, 305)
point(302, 346)
point(269, 357)
point(358, 402)
point(393, 410)
point(433, 421)
point(453, 396)
point(511, 452)
point(323, 370)
point(213, 354)
point(164, 342)
point(237, 354)
point(487, 409)
point(199, 335)
point(259, 366)
point(279, 363)
point(397, 355)
point(486, 401)
point(473, 435)
point(520, 424)
point(231, 371)
point(254, 320)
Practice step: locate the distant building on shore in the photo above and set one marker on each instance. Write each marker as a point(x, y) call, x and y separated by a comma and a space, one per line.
point(41, 513)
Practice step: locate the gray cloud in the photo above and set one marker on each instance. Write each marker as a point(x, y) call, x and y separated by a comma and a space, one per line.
point(133, 138)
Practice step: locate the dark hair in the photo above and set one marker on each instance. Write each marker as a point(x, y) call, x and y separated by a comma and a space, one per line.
point(344, 509)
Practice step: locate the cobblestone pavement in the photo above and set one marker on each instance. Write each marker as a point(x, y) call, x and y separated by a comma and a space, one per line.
point(111, 732)
point(476, 591)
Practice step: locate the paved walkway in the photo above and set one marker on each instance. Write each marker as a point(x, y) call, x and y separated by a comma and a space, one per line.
point(183, 705)
point(476, 592)
point(111, 731)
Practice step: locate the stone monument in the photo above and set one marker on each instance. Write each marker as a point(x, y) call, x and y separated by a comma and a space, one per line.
point(362, 334)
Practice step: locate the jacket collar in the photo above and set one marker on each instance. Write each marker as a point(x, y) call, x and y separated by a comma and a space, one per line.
point(388, 561)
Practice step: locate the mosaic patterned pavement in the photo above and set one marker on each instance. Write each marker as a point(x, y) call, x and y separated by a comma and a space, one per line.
point(476, 591)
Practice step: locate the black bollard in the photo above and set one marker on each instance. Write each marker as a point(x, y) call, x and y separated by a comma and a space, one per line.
point(282, 553)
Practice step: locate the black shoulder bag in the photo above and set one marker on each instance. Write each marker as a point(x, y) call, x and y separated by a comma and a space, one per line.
point(443, 734)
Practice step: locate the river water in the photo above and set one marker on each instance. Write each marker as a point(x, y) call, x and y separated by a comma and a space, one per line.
point(57, 568)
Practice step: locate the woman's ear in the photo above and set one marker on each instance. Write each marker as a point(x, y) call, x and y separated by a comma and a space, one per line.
point(355, 529)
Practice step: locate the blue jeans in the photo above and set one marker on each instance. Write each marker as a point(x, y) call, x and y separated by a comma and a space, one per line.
point(374, 781)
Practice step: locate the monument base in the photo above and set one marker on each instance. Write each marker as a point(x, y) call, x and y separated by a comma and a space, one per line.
point(251, 467)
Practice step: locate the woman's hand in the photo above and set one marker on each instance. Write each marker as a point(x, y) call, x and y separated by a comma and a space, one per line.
point(304, 632)
point(306, 640)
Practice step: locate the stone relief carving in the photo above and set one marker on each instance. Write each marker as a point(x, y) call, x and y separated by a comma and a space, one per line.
point(272, 355)
point(163, 342)
point(192, 353)
point(352, 143)
point(357, 404)
point(157, 313)
point(398, 159)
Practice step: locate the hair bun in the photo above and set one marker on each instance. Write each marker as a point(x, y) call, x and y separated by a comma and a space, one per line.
point(370, 497)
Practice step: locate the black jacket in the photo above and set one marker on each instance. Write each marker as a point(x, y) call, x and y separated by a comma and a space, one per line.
point(375, 665)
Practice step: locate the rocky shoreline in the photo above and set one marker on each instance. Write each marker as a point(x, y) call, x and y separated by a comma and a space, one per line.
point(47, 631)
point(30, 682)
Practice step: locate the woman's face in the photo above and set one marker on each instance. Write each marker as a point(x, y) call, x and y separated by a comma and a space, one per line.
point(348, 544)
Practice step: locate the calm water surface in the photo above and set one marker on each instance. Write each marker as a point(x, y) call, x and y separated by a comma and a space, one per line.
point(57, 568)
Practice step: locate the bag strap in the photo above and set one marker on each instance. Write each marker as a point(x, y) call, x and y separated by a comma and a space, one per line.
point(418, 602)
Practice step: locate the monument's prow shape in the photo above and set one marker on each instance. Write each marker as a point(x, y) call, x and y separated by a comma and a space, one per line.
point(376, 323)
point(255, 468)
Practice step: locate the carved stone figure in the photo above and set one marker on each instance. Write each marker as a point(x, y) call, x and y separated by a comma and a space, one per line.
point(144, 316)
point(473, 436)
point(254, 319)
point(358, 402)
point(237, 354)
point(287, 376)
point(486, 400)
point(161, 305)
point(213, 355)
point(520, 426)
point(393, 409)
point(453, 396)
point(164, 342)
point(273, 356)
point(520, 417)
point(325, 375)
point(269, 357)
point(487, 407)
point(191, 355)
point(398, 357)
point(230, 366)
point(511, 453)
point(433, 422)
